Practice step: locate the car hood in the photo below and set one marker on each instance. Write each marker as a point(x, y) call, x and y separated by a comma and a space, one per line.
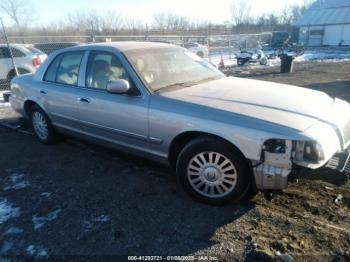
point(286, 105)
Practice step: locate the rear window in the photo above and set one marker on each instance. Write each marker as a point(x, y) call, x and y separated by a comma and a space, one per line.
point(64, 69)
point(16, 52)
point(4, 52)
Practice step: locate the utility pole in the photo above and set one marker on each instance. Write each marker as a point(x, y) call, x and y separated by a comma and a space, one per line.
point(8, 46)
point(147, 33)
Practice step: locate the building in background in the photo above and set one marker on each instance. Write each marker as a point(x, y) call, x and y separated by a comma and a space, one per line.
point(326, 23)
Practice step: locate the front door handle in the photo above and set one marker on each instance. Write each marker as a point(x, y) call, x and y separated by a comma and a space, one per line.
point(84, 100)
point(43, 92)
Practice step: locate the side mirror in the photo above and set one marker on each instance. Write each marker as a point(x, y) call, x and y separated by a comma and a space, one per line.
point(119, 86)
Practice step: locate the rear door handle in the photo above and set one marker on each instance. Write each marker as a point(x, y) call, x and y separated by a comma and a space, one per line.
point(43, 92)
point(84, 99)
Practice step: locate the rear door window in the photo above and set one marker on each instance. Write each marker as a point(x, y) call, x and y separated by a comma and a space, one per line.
point(68, 70)
point(65, 69)
point(51, 72)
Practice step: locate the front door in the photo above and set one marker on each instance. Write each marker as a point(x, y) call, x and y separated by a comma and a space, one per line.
point(121, 119)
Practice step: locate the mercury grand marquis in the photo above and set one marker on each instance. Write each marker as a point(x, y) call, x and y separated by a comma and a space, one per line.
point(224, 136)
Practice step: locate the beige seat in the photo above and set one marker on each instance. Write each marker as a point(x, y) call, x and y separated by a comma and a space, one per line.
point(101, 74)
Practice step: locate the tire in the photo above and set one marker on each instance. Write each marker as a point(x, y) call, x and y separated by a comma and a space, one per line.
point(42, 126)
point(213, 171)
point(263, 61)
point(200, 54)
point(241, 61)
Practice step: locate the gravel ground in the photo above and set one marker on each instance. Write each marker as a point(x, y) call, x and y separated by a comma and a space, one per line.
point(77, 200)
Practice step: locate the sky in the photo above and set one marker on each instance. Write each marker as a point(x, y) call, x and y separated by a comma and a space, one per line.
point(216, 11)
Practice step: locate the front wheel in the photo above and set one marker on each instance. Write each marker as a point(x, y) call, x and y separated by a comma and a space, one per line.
point(42, 126)
point(241, 61)
point(213, 171)
point(263, 61)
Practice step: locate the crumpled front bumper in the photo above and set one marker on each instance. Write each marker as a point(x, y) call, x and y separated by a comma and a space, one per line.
point(340, 162)
point(272, 177)
point(268, 177)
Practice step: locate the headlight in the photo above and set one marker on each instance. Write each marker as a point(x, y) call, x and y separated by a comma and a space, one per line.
point(308, 151)
point(302, 151)
point(277, 146)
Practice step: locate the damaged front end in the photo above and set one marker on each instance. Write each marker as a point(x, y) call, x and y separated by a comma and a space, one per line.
point(278, 157)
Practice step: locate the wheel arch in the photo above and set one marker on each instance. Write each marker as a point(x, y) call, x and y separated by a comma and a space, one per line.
point(28, 104)
point(181, 140)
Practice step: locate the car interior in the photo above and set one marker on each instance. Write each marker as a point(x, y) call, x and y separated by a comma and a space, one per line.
point(103, 68)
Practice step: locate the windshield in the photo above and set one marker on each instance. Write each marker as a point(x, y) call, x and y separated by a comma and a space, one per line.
point(164, 67)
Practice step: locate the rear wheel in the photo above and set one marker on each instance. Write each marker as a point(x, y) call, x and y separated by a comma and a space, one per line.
point(42, 126)
point(213, 171)
point(241, 61)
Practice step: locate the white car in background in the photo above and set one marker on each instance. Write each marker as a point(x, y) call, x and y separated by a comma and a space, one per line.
point(198, 49)
point(27, 59)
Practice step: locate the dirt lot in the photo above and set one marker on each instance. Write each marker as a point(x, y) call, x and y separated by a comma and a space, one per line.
point(76, 200)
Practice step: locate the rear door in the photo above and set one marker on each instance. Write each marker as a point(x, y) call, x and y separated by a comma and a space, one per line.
point(118, 118)
point(60, 90)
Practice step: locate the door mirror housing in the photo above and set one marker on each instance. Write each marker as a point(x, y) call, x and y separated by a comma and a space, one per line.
point(119, 86)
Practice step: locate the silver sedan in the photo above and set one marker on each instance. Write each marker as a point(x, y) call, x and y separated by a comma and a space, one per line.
point(225, 137)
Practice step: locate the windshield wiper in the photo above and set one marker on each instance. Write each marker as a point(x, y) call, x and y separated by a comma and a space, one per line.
point(180, 84)
point(187, 84)
point(206, 79)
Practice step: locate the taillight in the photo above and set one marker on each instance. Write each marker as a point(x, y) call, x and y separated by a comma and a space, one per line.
point(36, 61)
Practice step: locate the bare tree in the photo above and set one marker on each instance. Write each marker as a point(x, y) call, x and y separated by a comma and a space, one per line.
point(131, 24)
point(273, 19)
point(287, 15)
point(18, 11)
point(291, 13)
point(161, 20)
point(110, 22)
point(165, 20)
point(240, 12)
point(83, 22)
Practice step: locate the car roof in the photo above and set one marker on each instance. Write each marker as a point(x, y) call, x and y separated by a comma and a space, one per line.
point(123, 46)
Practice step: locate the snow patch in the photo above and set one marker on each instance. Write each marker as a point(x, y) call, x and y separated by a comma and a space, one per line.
point(102, 218)
point(14, 231)
point(41, 221)
point(6, 246)
point(46, 194)
point(88, 225)
point(15, 182)
point(323, 55)
point(7, 104)
point(38, 251)
point(7, 211)
point(317, 55)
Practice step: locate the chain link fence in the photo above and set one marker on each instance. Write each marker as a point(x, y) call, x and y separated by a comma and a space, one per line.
point(28, 51)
